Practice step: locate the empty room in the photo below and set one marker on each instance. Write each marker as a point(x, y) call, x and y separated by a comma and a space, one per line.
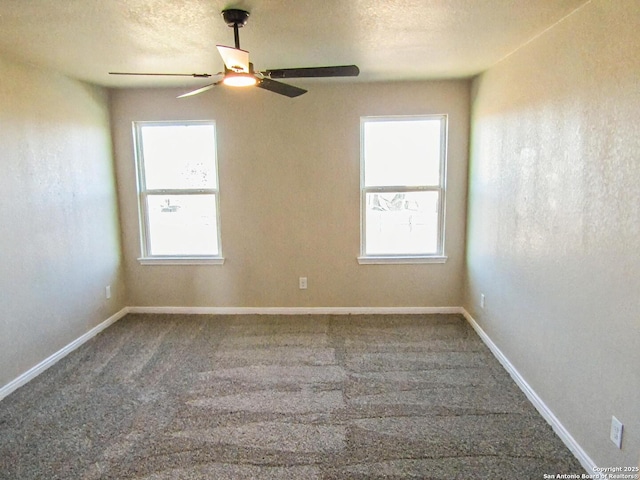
point(302, 239)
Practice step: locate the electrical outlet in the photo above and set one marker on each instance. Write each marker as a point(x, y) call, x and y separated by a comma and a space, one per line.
point(302, 283)
point(107, 291)
point(482, 300)
point(616, 431)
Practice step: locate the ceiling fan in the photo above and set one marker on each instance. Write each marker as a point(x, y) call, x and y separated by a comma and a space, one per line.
point(239, 72)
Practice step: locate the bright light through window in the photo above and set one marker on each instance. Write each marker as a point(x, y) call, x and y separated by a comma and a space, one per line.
point(403, 166)
point(179, 156)
point(178, 188)
point(403, 153)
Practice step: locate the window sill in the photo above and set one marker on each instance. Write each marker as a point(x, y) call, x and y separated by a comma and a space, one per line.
point(181, 260)
point(399, 259)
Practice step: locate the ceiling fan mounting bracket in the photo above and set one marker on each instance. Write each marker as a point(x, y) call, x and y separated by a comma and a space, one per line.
point(234, 17)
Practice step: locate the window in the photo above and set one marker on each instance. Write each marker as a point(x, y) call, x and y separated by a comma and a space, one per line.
point(402, 182)
point(178, 192)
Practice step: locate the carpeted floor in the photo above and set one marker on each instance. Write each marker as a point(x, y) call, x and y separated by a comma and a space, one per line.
point(278, 397)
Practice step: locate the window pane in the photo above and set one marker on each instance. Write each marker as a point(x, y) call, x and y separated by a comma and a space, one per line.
point(179, 156)
point(401, 223)
point(182, 225)
point(402, 152)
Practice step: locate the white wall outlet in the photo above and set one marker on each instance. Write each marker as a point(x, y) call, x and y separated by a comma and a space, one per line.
point(616, 432)
point(482, 300)
point(107, 291)
point(302, 283)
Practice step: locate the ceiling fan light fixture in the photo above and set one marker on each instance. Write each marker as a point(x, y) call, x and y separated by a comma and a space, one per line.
point(239, 80)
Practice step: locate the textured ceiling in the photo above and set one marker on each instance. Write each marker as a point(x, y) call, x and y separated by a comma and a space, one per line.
point(388, 40)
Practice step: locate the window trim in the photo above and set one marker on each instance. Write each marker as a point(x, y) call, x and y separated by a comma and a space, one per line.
point(142, 193)
point(439, 256)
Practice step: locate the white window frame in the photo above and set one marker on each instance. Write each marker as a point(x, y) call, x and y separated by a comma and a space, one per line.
point(143, 192)
point(437, 257)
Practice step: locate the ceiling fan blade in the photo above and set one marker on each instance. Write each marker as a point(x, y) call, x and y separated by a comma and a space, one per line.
point(281, 88)
point(196, 75)
point(336, 71)
point(199, 90)
point(234, 59)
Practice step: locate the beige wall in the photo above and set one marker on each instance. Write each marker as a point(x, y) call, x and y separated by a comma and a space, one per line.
point(554, 220)
point(289, 182)
point(59, 235)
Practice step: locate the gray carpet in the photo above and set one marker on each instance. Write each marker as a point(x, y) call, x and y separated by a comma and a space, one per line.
point(278, 397)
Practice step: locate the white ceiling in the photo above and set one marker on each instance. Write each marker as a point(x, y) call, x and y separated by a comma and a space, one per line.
point(388, 40)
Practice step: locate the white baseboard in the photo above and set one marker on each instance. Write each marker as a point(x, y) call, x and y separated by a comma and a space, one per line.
point(294, 310)
point(587, 463)
point(49, 361)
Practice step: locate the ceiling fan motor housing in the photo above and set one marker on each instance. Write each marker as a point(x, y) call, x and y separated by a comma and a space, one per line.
point(234, 17)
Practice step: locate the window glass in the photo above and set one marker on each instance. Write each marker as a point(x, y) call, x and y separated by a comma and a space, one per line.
point(182, 225)
point(402, 152)
point(402, 223)
point(179, 156)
